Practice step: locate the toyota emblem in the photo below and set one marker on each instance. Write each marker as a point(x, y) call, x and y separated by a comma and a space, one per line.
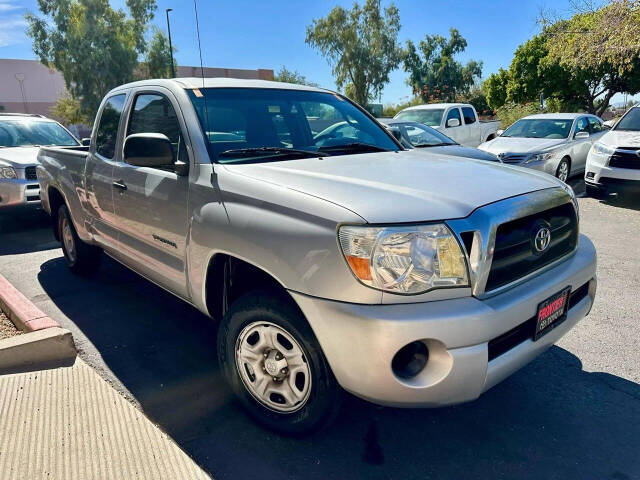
point(542, 239)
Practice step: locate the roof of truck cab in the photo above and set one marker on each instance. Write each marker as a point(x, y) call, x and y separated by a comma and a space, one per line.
point(196, 82)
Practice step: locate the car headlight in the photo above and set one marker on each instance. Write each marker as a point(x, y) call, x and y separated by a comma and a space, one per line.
point(404, 259)
point(602, 149)
point(540, 157)
point(7, 172)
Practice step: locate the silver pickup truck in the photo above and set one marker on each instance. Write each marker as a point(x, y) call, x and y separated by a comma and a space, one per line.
point(407, 278)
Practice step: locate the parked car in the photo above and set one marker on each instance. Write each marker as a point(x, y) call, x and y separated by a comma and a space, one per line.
point(613, 164)
point(555, 143)
point(352, 265)
point(418, 135)
point(21, 135)
point(458, 120)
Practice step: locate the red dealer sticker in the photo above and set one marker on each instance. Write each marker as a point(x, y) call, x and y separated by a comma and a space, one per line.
point(552, 312)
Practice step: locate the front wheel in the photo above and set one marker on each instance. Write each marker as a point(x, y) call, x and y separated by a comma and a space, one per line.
point(562, 172)
point(274, 365)
point(81, 257)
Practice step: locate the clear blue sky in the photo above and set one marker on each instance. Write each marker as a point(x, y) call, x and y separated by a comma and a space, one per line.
point(269, 34)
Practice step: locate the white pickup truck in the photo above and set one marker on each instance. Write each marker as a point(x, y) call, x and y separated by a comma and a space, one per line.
point(458, 121)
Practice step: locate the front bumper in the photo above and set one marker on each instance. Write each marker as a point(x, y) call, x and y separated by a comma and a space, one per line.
point(19, 192)
point(360, 341)
point(599, 174)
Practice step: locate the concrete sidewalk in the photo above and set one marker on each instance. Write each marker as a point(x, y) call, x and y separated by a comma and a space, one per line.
point(68, 423)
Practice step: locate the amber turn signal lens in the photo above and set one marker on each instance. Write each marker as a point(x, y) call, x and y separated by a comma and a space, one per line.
point(360, 267)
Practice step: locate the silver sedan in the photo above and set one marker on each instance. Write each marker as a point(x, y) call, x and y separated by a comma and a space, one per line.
point(556, 143)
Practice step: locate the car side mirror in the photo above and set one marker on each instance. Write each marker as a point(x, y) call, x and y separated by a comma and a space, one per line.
point(85, 142)
point(151, 150)
point(499, 132)
point(453, 122)
point(581, 135)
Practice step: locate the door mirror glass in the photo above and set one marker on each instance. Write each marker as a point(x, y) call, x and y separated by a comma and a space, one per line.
point(453, 122)
point(149, 150)
point(86, 142)
point(581, 135)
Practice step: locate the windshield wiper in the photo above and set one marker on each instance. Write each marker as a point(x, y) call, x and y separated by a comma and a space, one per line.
point(427, 145)
point(354, 146)
point(265, 151)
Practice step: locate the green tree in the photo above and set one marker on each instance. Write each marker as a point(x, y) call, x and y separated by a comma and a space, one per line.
point(68, 110)
point(434, 73)
point(157, 62)
point(361, 45)
point(95, 46)
point(292, 76)
point(496, 88)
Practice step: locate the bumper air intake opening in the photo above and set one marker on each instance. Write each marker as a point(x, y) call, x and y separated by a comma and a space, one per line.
point(410, 360)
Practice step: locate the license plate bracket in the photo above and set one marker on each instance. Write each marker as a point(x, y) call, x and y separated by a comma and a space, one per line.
point(551, 312)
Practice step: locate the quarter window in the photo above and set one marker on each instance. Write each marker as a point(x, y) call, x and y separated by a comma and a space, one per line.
point(469, 116)
point(153, 113)
point(107, 134)
point(453, 113)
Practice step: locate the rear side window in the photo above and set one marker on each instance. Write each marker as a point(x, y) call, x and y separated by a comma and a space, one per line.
point(153, 113)
point(469, 116)
point(453, 113)
point(107, 134)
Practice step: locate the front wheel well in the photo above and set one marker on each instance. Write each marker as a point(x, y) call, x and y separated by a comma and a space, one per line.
point(228, 278)
point(56, 200)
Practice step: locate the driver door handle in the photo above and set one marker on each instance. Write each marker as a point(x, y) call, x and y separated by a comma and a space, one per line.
point(120, 185)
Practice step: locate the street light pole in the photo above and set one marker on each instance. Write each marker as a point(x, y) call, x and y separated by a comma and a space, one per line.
point(173, 69)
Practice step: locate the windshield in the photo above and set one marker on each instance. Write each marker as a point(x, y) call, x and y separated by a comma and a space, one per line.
point(420, 135)
point(539, 128)
point(255, 125)
point(631, 121)
point(430, 117)
point(28, 132)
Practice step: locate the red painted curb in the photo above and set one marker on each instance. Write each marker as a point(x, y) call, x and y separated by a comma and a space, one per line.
point(21, 311)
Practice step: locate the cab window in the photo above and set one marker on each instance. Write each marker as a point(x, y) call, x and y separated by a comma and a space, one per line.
point(153, 113)
point(107, 133)
point(469, 116)
point(453, 113)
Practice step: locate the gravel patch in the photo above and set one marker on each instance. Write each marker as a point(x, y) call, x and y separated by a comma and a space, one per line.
point(7, 328)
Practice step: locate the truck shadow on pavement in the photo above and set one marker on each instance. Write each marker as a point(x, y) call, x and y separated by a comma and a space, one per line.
point(550, 420)
point(25, 231)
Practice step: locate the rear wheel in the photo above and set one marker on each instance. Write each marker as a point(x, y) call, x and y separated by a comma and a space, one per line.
point(81, 257)
point(563, 170)
point(275, 366)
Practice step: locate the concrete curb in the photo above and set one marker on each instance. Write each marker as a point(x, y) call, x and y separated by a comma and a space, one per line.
point(44, 345)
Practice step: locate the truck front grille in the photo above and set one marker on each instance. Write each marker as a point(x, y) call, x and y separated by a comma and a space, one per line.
point(30, 173)
point(514, 254)
point(626, 157)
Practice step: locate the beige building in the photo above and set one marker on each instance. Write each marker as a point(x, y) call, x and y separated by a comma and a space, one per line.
point(27, 86)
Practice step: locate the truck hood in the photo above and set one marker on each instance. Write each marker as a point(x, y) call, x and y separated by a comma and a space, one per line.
point(520, 145)
point(407, 186)
point(19, 157)
point(621, 138)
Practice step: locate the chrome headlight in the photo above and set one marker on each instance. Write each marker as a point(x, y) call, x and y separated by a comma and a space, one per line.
point(7, 172)
point(540, 157)
point(602, 149)
point(404, 260)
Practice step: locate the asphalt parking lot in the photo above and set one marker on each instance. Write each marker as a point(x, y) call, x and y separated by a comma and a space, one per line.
point(572, 413)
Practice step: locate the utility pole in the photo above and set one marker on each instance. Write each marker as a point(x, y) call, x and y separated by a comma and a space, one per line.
point(173, 69)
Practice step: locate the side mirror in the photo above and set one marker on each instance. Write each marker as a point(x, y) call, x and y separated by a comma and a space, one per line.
point(85, 142)
point(453, 122)
point(148, 150)
point(581, 135)
point(499, 132)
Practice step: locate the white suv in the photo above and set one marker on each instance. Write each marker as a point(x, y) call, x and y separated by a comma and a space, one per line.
point(613, 164)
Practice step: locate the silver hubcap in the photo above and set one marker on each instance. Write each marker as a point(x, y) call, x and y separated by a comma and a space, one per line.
point(67, 238)
point(273, 367)
point(563, 171)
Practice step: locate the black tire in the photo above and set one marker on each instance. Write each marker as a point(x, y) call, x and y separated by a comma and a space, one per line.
point(324, 397)
point(594, 192)
point(564, 161)
point(82, 258)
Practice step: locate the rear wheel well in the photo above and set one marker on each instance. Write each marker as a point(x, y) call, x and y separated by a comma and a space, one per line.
point(56, 200)
point(229, 278)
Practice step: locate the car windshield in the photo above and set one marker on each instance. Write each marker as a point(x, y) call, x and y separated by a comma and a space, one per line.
point(539, 128)
point(28, 132)
point(631, 121)
point(259, 125)
point(431, 117)
point(421, 136)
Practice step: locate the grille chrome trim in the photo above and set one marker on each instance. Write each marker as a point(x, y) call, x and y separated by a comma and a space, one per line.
point(484, 222)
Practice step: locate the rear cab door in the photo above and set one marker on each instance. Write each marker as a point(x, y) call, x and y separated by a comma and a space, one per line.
point(151, 203)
